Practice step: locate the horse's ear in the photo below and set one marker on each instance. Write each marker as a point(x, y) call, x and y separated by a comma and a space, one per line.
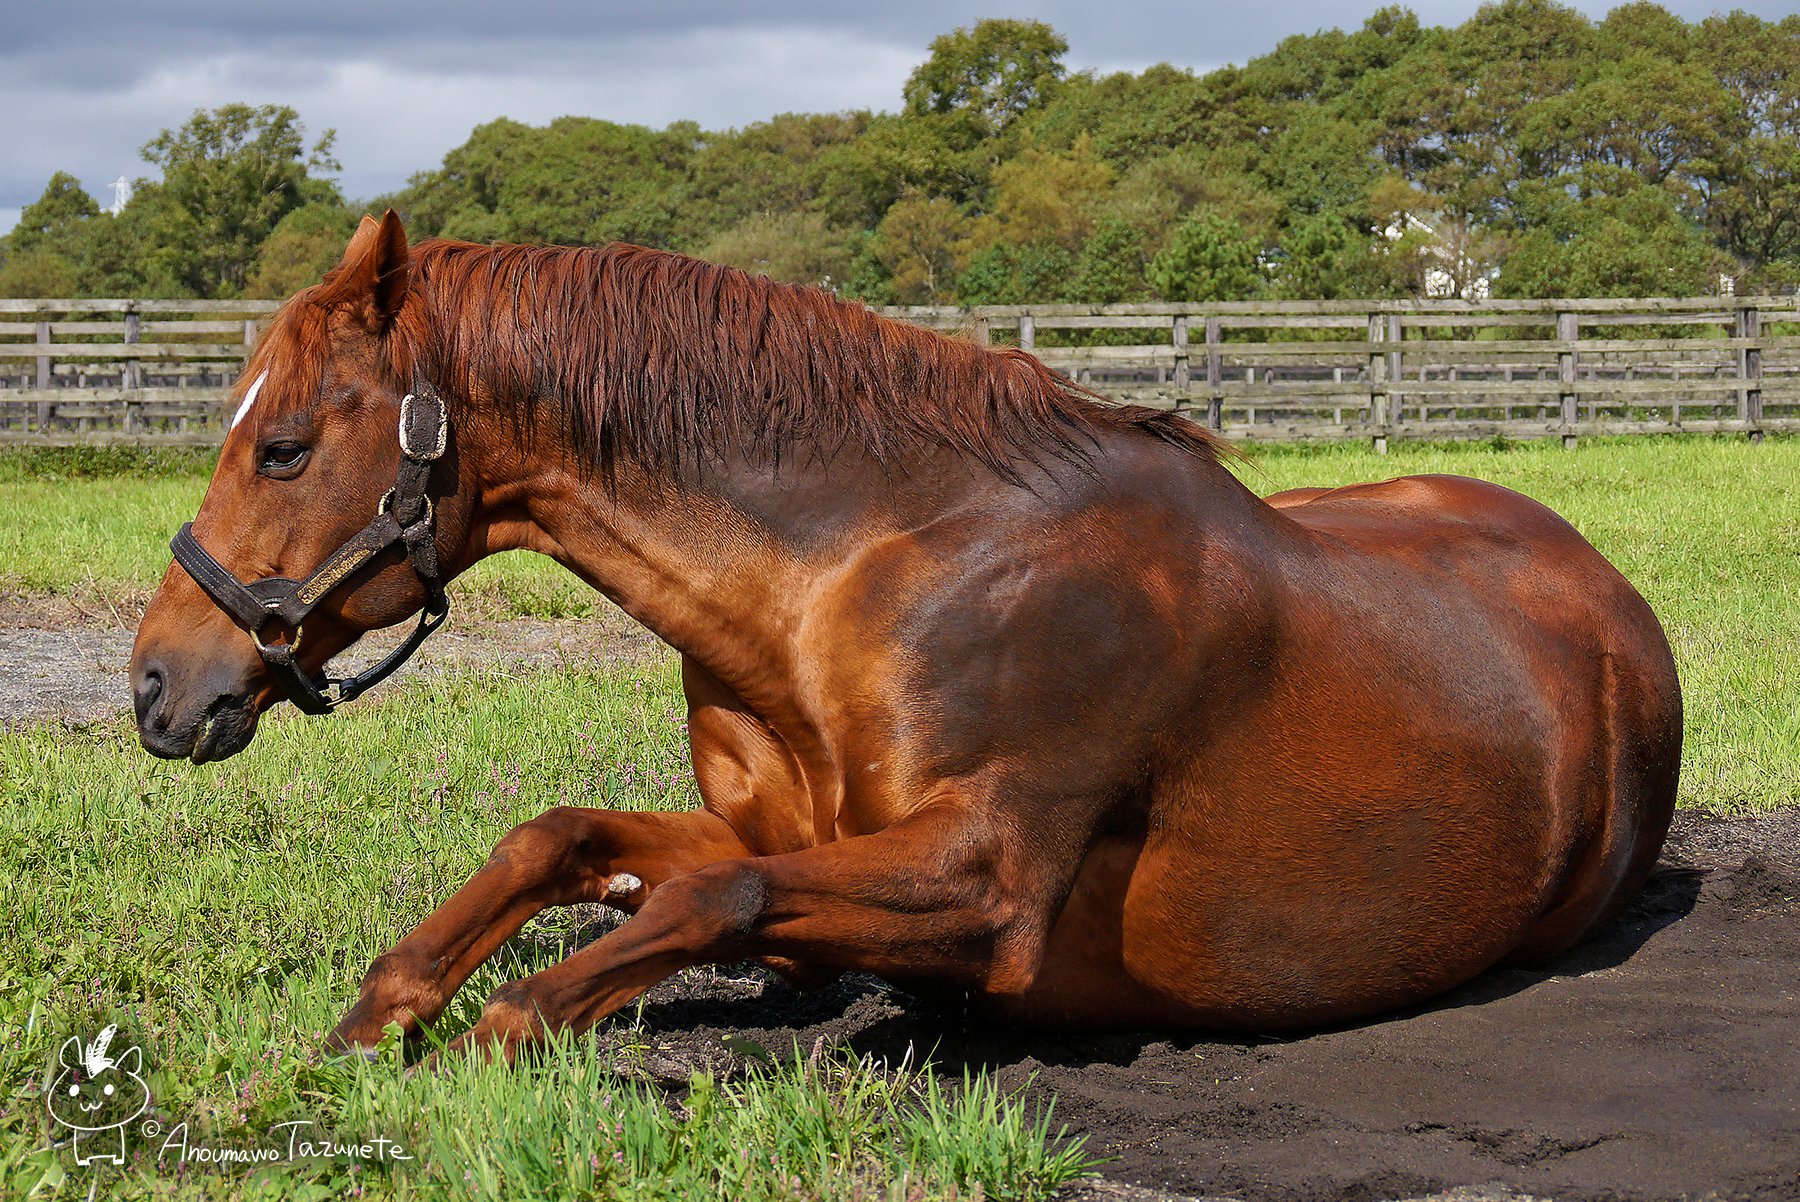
point(394, 269)
point(360, 243)
point(374, 273)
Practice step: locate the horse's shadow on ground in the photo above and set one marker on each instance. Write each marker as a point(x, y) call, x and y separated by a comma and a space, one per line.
point(869, 1018)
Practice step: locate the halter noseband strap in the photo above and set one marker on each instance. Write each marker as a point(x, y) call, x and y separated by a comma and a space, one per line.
point(404, 516)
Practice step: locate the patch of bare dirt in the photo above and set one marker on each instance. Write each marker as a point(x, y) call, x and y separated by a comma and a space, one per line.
point(1659, 1061)
point(67, 657)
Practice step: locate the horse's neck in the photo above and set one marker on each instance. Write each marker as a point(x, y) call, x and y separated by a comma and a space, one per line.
point(722, 571)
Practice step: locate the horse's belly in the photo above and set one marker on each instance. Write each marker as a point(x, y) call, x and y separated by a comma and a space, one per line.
point(1293, 928)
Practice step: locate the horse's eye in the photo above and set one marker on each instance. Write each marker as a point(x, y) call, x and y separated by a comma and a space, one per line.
point(282, 458)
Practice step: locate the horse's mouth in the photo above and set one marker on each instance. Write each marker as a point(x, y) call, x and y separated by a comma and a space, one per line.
point(222, 730)
point(225, 730)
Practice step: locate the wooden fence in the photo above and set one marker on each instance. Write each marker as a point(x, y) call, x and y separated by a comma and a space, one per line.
point(158, 371)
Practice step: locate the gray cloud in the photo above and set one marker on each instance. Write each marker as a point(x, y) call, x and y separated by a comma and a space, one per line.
point(89, 82)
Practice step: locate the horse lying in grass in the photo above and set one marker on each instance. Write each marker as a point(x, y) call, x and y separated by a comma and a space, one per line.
point(991, 686)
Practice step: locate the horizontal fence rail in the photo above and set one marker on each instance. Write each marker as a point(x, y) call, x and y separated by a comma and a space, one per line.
point(148, 372)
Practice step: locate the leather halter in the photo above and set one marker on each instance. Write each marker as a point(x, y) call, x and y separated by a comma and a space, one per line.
point(403, 516)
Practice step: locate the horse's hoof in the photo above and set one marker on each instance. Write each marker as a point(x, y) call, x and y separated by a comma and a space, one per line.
point(337, 1047)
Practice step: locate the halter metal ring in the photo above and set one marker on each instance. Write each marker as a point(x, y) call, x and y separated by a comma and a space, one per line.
point(386, 505)
point(291, 648)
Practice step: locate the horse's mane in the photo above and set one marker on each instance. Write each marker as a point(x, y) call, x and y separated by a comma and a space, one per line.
point(672, 360)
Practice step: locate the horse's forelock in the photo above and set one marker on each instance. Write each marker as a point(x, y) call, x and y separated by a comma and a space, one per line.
point(287, 368)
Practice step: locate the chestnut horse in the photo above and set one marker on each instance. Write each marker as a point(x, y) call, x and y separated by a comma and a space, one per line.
point(991, 686)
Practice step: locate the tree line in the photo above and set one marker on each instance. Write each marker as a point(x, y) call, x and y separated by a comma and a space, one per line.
point(1529, 151)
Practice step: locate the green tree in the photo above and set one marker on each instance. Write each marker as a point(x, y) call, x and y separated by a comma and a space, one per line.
point(1482, 83)
point(39, 272)
point(923, 241)
point(576, 181)
point(55, 221)
point(1044, 196)
point(1129, 117)
point(1638, 120)
point(1210, 258)
point(1643, 26)
point(301, 248)
point(789, 163)
point(998, 69)
point(231, 174)
point(1156, 193)
point(1752, 189)
point(1321, 258)
point(796, 247)
point(1003, 177)
point(1639, 244)
point(1322, 164)
point(1112, 267)
point(1009, 274)
point(943, 154)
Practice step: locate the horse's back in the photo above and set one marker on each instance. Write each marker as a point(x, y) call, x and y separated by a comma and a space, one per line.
point(1409, 508)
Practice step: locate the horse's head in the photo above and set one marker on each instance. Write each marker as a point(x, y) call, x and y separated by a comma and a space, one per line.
point(294, 511)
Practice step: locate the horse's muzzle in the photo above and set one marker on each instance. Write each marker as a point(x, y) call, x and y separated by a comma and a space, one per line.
point(201, 724)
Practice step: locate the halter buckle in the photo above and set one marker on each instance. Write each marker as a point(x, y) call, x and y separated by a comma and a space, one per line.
point(441, 428)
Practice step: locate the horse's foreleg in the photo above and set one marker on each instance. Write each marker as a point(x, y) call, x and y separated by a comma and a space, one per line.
point(563, 856)
point(936, 896)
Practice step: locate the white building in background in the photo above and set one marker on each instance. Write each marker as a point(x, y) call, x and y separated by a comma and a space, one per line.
point(121, 189)
point(1454, 270)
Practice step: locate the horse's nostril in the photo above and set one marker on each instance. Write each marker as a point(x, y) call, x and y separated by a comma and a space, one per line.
point(149, 688)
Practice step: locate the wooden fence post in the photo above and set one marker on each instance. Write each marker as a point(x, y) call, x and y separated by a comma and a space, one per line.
point(1027, 332)
point(1396, 372)
point(1749, 325)
point(1215, 376)
point(1178, 337)
point(43, 377)
point(1378, 401)
point(1568, 329)
point(982, 335)
point(131, 374)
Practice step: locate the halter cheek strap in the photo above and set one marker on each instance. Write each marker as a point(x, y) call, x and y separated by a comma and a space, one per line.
point(404, 516)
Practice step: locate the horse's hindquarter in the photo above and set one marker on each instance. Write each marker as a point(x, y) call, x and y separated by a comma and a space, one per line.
point(1465, 748)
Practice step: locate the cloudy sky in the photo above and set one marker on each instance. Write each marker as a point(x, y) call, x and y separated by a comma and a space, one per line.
point(87, 82)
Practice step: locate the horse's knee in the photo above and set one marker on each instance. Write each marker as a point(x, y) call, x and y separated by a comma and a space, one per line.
point(721, 904)
point(545, 843)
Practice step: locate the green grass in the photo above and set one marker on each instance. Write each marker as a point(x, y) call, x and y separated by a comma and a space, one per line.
point(226, 911)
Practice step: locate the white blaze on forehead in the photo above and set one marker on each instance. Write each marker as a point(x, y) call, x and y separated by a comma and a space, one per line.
point(249, 400)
